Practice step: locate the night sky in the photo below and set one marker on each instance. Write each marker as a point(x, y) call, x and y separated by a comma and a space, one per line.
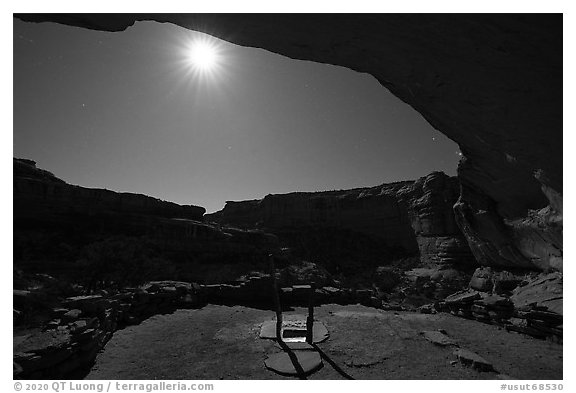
point(125, 111)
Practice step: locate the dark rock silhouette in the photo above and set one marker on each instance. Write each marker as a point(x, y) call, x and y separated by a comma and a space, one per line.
point(103, 236)
point(39, 195)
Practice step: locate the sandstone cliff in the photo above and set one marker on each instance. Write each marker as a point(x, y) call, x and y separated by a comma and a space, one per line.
point(414, 216)
point(91, 234)
point(429, 203)
point(373, 211)
point(39, 195)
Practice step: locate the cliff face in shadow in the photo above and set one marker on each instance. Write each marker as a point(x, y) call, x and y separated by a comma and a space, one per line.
point(375, 212)
point(490, 82)
point(109, 238)
point(41, 196)
point(365, 225)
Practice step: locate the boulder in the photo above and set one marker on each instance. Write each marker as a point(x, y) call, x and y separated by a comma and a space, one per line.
point(471, 359)
point(482, 280)
point(78, 326)
point(438, 338)
point(71, 316)
point(505, 281)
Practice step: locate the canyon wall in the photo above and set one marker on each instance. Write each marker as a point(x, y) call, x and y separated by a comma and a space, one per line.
point(429, 202)
point(374, 211)
point(39, 195)
point(490, 82)
point(97, 235)
point(412, 215)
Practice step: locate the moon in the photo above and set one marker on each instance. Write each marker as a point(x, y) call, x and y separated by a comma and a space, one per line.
point(201, 60)
point(203, 56)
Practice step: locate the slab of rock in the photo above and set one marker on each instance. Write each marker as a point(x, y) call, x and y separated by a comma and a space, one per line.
point(496, 300)
point(78, 326)
point(92, 304)
point(332, 290)
point(281, 363)
point(365, 360)
point(44, 342)
point(543, 291)
point(331, 294)
point(44, 361)
point(58, 312)
point(20, 293)
point(53, 324)
point(471, 359)
point(550, 318)
point(85, 335)
point(463, 297)
point(71, 316)
point(169, 290)
point(154, 286)
point(79, 300)
point(301, 290)
point(438, 338)
point(286, 291)
point(427, 309)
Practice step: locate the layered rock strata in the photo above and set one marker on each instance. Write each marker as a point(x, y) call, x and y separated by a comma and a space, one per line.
point(60, 229)
point(40, 196)
point(415, 216)
point(430, 202)
point(530, 304)
point(375, 212)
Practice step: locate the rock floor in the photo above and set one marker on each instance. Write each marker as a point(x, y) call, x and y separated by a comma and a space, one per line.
point(219, 342)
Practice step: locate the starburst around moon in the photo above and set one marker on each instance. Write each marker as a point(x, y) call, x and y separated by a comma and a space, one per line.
point(203, 57)
point(202, 67)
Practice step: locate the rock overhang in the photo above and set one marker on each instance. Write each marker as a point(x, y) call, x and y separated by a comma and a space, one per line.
point(490, 82)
